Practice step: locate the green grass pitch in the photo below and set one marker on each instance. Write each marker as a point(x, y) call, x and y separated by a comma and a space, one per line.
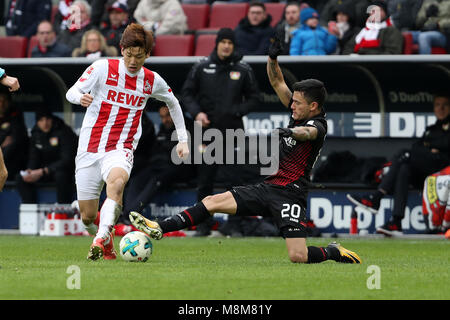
point(223, 269)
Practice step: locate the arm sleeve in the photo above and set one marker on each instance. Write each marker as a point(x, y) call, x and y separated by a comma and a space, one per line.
point(251, 94)
point(162, 91)
point(2, 72)
point(189, 92)
point(86, 82)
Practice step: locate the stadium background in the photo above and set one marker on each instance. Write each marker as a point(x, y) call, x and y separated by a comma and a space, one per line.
point(376, 105)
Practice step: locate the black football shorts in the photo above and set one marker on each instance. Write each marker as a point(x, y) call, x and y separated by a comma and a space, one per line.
point(286, 206)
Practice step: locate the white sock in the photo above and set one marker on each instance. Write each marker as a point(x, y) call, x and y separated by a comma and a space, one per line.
point(109, 214)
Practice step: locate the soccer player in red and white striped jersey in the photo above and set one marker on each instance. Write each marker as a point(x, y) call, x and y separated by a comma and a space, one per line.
point(115, 92)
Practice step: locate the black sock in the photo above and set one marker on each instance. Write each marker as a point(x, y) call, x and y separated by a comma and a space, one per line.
point(320, 254)
point(189, 217)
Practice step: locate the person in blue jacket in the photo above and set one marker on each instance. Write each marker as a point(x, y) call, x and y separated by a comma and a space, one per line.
point(311, 38)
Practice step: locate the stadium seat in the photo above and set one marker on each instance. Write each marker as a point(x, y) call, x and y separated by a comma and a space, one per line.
point(205, 44)
point(33, 42)
point(438, 50)
point(174, 45)
point(13, 47)
point(197, 15)
point(407, 43)
point(227, 15)
point(276, 10)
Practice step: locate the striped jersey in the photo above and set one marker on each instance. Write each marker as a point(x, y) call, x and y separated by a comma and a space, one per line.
point(113, 119)
point(297, 158)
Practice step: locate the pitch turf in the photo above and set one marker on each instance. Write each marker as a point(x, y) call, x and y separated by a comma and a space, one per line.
point(223, 269)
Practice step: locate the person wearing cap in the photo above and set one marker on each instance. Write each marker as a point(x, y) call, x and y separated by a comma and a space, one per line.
point(311, 38)
point(118, 20)
point(52, 151)
point(379, 36)
point(218, 92)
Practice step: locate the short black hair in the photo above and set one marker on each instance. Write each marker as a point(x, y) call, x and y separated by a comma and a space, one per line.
point(313, 90)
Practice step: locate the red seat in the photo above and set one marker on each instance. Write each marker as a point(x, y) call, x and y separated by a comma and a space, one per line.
point(174, 45)
point(197, 15)
point(276, 10)
point(227, 15)
point(438, 50)
point(205, 44)
point(33, 42)
point(13, 47)
point(408, 47)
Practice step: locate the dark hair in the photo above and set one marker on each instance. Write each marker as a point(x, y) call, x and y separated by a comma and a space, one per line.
point(442, 94)
point(136, 36)
point(313, 90)
point(256, 4)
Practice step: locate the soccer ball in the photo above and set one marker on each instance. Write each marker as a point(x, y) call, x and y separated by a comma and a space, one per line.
point(136, 246)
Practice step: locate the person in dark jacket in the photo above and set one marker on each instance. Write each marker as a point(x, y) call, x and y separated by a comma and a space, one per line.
point(80, 23)
point(379, 36)
point(13, 134)
point(47, 46)
point(428, 155)
point(153, 169)
point(254, 32)
point(343, 25)
point(24, 16)
point(288, 24)
point(51, 158)
point(117, 22)
point(218, 91)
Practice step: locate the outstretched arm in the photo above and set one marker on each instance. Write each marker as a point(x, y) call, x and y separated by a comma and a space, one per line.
point(277, 82)
point(275, 75)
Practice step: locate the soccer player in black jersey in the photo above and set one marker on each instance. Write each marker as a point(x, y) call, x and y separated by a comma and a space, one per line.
point(284, 194)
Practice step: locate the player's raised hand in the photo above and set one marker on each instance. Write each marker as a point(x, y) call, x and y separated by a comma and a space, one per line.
point(276, 48)
point(11, 82)
point(86, 100)
point(182, 150)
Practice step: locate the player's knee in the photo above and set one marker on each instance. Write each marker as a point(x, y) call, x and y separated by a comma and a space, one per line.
point(298, 256)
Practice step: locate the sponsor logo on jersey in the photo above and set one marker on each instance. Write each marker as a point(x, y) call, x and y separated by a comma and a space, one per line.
point(125, 98)
point(290, 141)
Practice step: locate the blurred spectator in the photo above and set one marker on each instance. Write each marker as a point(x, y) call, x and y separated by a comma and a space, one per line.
point(118, 19)
point(13, 134)
point(161, 16)
point(156, 171)
point(47, 45)
point(254, 33)
point(79, 22)
point(379, 35)
point(24, 16)
point(428, 155)
point(359, 10)
point(288, 24)
point(61, 18)
point(51, 158)
point(93, 46)
point(343, 25)
point(219, 99)
point(311, 38)
point(433, 21)
point(100, 13)
point(403, 13)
